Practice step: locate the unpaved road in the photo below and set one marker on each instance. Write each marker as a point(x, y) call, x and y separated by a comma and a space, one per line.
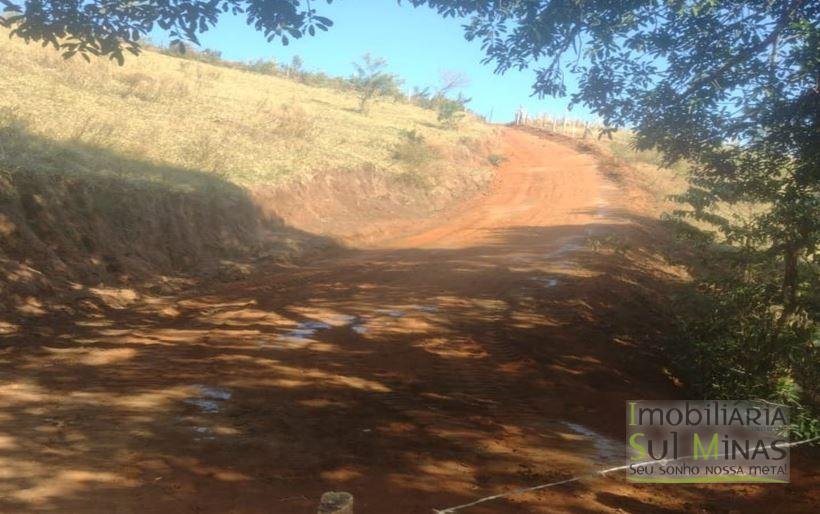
point(490, 349)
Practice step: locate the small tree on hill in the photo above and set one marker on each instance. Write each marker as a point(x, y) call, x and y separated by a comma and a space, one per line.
point(450, 81)
point(451, 111)
point(371, 81)
point(294, 69)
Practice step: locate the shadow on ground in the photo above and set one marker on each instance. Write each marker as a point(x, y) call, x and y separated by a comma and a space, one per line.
point(81, 223)
point(412, 378)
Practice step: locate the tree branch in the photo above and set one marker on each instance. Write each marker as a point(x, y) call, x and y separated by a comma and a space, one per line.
point(737, 59)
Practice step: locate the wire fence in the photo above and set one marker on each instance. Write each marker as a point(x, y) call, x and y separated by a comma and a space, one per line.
point(598, 473)
point(565, 125)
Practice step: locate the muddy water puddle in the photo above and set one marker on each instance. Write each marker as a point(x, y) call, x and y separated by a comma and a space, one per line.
point(393, 313)
point(306, 331)
point(545, 281)
point(209, 399)
point(597, 447)
point(571, 245)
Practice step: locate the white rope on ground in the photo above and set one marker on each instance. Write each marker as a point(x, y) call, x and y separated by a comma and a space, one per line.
point(598, 473)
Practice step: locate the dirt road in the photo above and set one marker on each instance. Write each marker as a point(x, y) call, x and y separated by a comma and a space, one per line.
point(490, 349)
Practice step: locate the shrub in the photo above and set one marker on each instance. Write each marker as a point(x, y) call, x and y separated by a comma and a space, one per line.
point(416, 155)
point(496, 159)
point(207, 152)
point(736, 339)
point(413, 151)
point(94, 132)
point(291, 121)
point(414, 178)
point(451, 112)
point(264, 67)
point(736, 348)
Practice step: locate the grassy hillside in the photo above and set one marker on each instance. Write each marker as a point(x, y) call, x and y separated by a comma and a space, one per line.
point(245, 127)
point(117, 174)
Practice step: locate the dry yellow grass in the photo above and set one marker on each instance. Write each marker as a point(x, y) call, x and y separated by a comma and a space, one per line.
point(245, 127)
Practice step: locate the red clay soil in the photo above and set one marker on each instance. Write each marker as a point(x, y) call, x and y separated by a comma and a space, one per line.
point(489, 350)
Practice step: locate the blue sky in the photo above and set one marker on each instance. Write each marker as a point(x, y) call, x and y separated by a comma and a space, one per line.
point(416, 42)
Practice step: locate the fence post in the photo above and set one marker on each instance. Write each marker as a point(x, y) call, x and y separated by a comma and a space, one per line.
point(336, 503)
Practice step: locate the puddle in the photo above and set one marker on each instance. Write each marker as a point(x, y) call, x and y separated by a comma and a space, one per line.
point(341, 319)
point(313, 325)
point(607, 450)
point(305, 330)
point(563, 250)
point(207, 406)
point(204, 434)
point(393, 313)
point(358, 324)
point(209, 399)
point(545, 281)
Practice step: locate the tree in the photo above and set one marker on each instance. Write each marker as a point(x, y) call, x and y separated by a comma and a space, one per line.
point(294, 69)
point(111, 27)
point(371, 81)
point(732, 87)
point(450, 81)
point(421, 96)
point(451, 111)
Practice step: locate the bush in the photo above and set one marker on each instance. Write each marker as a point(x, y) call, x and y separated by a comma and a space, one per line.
point(264, 67)
point(13, 144)
point(413, 150)
point(451, 112)
point(496, 159)
point(735, 348)
point(736, 340)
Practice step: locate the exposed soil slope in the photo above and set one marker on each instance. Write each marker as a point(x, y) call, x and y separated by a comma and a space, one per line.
point(489, 349)
point(167, 169)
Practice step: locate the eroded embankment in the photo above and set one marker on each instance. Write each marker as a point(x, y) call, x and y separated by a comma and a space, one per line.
point(363, 207)
point(60, 232)
point(70, 224)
